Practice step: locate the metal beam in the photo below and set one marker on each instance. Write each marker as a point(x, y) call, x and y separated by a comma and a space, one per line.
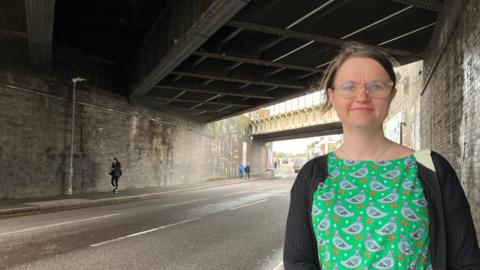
point(256, 61)
point(40, 17)
point(305, 36)
point(215, 91)
point(238, 80)
point(210, 102)
point(206, 101)
point(229, 37)
point(432, 5)
point(206, 24)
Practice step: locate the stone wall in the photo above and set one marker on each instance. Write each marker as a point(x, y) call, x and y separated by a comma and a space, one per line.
point(407, 102)
point(155, 148)
point(450, 114)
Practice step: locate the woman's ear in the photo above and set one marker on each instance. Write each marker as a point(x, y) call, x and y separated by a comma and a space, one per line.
point(330, 93)
point(394, 93)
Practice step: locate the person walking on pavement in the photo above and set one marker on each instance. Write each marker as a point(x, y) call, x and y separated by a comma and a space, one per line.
point(247, 171)
point(115, 172)
point(241, 169)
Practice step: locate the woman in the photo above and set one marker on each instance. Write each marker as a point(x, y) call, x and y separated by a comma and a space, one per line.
point(115, 172)
point(373, 203)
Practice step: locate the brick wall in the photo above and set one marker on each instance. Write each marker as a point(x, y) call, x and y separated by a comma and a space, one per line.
point(450, 114)
point(155, 148)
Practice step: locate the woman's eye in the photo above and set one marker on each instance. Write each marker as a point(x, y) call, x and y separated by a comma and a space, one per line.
point(348, 87)
point(375, 87)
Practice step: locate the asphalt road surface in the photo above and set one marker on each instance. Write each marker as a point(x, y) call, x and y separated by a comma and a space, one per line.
point(230, 227)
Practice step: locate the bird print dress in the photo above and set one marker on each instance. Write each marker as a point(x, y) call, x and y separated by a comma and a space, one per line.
point(371, 215)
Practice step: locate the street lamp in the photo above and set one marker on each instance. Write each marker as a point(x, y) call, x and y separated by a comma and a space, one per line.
point(68, 188)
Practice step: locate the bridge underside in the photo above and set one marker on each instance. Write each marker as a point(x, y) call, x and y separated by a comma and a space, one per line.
point(209, 59)
point(303, 132)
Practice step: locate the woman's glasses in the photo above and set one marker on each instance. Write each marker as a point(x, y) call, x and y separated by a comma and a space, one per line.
point(375, 89)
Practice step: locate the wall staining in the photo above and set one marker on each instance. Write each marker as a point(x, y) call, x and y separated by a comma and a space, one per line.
point(450, 114)
point(155, 149)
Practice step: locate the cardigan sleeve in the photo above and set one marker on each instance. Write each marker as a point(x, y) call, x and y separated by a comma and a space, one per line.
point(300, 246)
point(461, 241)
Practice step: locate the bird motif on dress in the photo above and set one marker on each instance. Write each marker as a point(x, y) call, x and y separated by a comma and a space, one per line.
point(382, 162)
point(327, 195)
point(354, 228)
point(388, 228)
point(375, 185)
point(408, 213)
point(362, 172)
point(324, 223)
point(345, 184)
point(403, 246)
point(418, 234)
point(420, 202)
point(372, 245)
point(409, 162)
point(326, 256)
point(425, 251)
point(391, 174)
point(390, 198)
point(351, 162)
point(334, 174)
point(374, 212)
point(322, 185)
point(412, 266)
point(315, 210)
point(386, 262)
point(359, 198)
point(339, 243)
point(409, 185)
point(321, 242)
point(340, 210)
point(353, 261)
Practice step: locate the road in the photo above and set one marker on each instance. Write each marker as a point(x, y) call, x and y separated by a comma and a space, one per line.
point(230, 227)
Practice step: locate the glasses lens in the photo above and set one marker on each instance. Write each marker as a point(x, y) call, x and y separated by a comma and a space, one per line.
point(376, 88)
point(347, 89)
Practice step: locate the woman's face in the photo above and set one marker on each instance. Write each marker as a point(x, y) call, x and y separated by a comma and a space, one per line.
point(361, 109)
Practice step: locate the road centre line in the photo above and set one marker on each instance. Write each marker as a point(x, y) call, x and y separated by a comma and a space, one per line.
point(58, 224)
point(236, 193)
point(144, 232)
point(248, 204)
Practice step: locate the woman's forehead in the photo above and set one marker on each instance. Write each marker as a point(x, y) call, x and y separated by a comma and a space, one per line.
point(360, 67)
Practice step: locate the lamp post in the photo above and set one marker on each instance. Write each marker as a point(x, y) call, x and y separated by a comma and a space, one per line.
point(68, 186)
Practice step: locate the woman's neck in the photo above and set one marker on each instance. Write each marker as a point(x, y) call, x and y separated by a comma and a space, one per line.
point(361, 144)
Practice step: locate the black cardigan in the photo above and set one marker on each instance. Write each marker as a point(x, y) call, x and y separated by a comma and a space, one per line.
point(453, 241)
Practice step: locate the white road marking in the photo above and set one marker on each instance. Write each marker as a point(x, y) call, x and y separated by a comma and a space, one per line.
point(248, 204)
point(144, 232)
point(58, 224)
point(236, 193)
point(279, 267)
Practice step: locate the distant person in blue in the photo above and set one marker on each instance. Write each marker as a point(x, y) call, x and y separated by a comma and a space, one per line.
point(241, 170)
point(115, 172)
point(247, 171)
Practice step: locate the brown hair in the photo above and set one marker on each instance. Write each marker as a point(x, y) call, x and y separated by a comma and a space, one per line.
point(349, 50)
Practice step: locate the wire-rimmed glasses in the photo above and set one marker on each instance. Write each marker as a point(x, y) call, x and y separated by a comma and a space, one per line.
point(375, 88)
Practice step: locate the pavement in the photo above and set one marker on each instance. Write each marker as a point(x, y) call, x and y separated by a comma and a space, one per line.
point(39, 205)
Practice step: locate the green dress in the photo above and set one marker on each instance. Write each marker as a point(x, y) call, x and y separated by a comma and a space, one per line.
point(371, 215)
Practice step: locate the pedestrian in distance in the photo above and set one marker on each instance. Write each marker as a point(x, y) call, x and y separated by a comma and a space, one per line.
point(247, 171)
point(373, 203)
point(241, 169)
point(115, 172)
